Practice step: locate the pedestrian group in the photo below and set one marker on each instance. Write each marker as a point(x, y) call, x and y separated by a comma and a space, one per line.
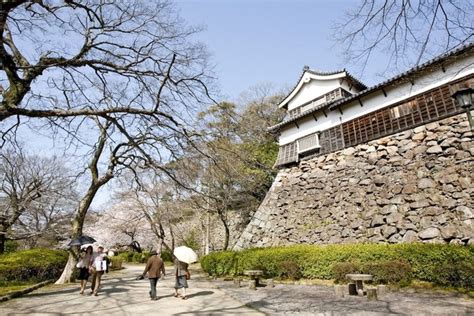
point(96, 263)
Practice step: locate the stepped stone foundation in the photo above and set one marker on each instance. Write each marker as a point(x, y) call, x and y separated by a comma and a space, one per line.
point(414, 186)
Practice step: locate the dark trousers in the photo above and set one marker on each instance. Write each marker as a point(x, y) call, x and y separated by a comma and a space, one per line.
point(153, 282)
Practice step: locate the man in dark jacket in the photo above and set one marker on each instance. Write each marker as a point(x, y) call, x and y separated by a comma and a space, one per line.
point(155, 266)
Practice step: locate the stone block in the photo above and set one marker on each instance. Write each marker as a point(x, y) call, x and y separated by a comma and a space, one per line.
point(448, 231)
point(465, 212)
point(432, 126)
point(429, 233)
point(426, 183)
point(389, 231)
point(394, 218)
point(420, 204)
point(434, 149)
point(410, 236)
point(377, 221)
point(418, 136)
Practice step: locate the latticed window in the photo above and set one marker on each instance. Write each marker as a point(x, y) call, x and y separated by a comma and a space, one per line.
point(287, 154)
point(403, 109)
point(308, 143)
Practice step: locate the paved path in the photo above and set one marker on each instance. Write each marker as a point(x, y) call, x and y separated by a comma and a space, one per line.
point(121, 294)
point(321, 300)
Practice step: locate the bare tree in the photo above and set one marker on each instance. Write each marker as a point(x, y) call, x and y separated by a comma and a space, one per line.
point(26, 181)
point(408, 31)
point(124, 73)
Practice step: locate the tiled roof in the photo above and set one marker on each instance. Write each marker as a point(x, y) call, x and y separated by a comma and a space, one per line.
point(360, 84)
point(404, 75)
point(306, 69)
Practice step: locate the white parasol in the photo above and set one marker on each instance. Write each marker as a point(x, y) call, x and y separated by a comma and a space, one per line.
point(185, 254)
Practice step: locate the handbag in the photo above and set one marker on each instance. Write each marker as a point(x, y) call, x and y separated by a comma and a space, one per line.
point(187, 275)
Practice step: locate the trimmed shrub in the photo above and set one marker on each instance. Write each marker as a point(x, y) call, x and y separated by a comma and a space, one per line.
point(166, 256)
point(341, 269)
point(34, 265)
point(392, 271)
point(134, 257)
point(116, 263)
point(456, 274)
point(11, 246)
point(291, 270)
point(389, 263)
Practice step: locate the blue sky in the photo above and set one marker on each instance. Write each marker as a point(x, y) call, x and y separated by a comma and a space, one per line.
point(263, 41)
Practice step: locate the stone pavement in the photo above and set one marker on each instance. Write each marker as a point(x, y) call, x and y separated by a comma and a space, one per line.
point(121, 294)
point(320, 300)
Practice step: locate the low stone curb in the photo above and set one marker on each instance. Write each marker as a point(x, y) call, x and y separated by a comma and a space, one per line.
point(25, 291)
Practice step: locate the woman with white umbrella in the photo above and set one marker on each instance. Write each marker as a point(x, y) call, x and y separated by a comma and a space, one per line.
point(184, 256)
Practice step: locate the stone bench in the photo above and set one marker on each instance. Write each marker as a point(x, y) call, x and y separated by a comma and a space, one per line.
point(359, 282)
point(254, 277)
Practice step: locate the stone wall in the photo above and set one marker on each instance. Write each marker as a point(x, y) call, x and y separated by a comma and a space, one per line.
point(412, 186)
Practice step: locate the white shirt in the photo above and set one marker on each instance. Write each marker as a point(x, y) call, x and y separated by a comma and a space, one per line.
point(99, 263)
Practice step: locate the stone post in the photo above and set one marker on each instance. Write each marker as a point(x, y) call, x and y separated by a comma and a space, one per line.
point(237, 283)
point(382, 290)
point(352, 289)
point(252, 284)
point(372, 294)
point(339, 290)
point(270, 283)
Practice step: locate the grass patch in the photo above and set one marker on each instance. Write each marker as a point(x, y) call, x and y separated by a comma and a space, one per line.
point(7, 288)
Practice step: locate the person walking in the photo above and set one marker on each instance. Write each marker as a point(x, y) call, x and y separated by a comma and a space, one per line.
point(154, 267)
point(84, 264)
point(98, 267)
point(182, 275)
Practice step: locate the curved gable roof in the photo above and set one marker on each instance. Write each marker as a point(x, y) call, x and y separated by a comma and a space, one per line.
point(309, 74)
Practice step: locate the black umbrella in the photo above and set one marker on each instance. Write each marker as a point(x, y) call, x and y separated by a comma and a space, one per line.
point(81, 240)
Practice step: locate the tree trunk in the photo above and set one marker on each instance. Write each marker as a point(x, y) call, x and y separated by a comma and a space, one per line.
point(66, 276)
point(172, 237)
point(226, 229)
point(77, 225)
point(227, 236)
point(3, 238)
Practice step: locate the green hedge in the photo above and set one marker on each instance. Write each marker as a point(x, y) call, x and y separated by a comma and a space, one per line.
point(135, 257)
point(390, 263)
point(34, 265)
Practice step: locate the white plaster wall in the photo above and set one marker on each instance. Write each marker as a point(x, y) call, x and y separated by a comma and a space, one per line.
point(376, 100)
point(311, 90)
